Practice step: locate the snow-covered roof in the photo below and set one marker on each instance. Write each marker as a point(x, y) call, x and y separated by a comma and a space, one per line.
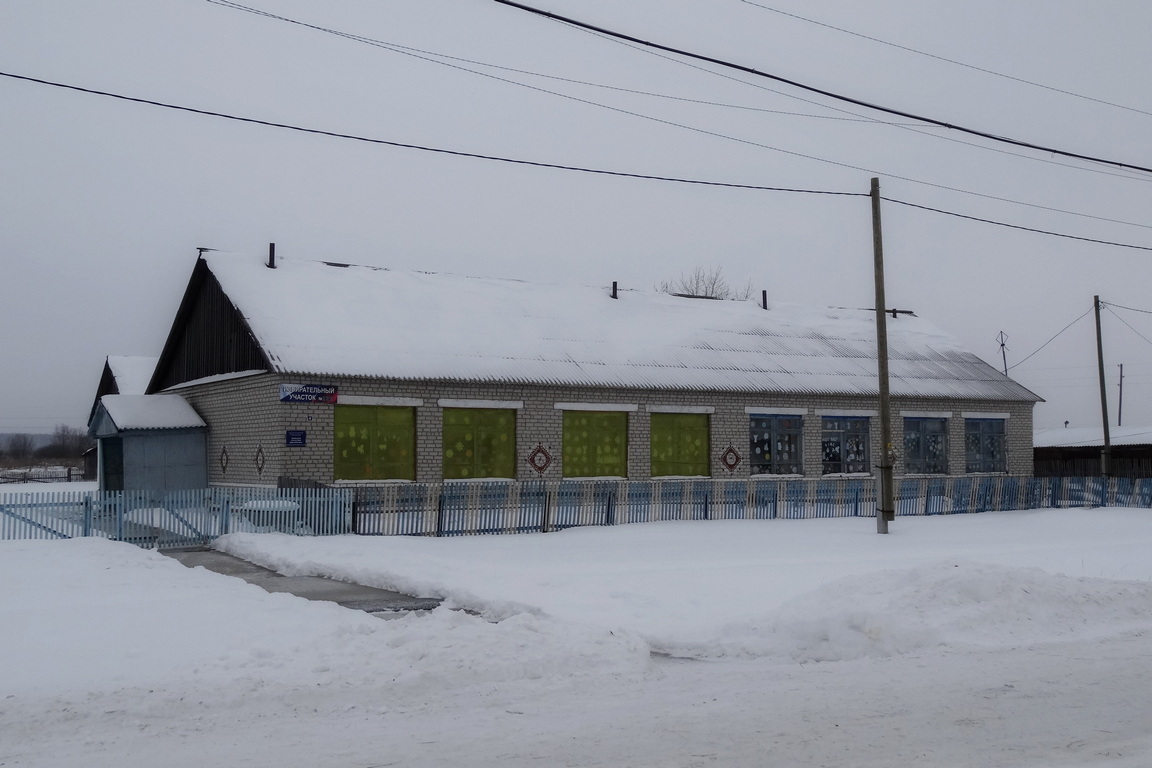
point(132, 373)
point(324, 319)
point(150, 412)
point(1087, 437)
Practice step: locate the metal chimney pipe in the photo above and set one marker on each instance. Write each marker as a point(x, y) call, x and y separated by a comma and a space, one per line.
point(614, 290)
point(271, 255)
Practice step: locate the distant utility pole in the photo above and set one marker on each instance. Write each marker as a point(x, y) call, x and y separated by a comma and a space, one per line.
point(1003, 337)
point(1106, 451)
point(886, 501)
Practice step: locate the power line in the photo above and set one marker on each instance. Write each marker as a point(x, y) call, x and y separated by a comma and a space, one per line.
point(554, 166)
point(674, 124)
point(1109, 308)
point(1130, 309)
point(947, 60)
point(1017, 226)
point(1090, 309)
point(439, 150)
point(407, 49)
point(850, 116)
point(821, 91)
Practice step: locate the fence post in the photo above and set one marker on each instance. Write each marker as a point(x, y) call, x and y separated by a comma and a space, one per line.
point(88, 515)
point(118, 500)
point(440, 514)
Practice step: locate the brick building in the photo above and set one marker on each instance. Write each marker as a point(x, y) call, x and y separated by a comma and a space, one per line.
point(324, 372)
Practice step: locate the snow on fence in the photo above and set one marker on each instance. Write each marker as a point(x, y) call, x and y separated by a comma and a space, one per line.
point(192, 518)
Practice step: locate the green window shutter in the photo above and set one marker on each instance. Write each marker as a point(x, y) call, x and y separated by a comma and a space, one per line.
point(595, 444)
point(680, 444)
point(479, 442)
point(375, 443)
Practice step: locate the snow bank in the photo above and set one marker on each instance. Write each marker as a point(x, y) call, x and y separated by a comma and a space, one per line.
point(793, 589)
point(952, 604)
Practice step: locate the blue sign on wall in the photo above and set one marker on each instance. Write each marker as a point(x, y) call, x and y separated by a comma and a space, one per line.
point(295, 438)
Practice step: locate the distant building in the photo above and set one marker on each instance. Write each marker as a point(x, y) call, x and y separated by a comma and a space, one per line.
point(329, 373)
point(1075, 452)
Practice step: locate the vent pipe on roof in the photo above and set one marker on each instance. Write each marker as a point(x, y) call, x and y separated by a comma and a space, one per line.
point(614, 290)
point(764, 299)
point(271, 255)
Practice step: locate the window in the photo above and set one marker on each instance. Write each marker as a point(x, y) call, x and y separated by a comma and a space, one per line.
point(595, 444)
point(112, 463)
point(925, 446)
point(775, 444)
point(375, 443)
point(680, 444)
point(984, 445)
point(844, 444)
point(479, 442)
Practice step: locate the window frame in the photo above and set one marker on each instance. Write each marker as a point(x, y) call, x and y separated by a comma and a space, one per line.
point(688, 454)
point(981, 461)
point(612, 425)
point(479, 441)
point(773, 430)
point(376, 470)
point(831, 432)
point(919, 465)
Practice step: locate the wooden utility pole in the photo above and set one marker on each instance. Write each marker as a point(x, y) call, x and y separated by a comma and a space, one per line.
point(1106, 451)
point(886, 499)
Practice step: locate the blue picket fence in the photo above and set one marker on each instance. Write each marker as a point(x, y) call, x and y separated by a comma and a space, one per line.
point(481, 507)
point(194, 518)
point(175, 519)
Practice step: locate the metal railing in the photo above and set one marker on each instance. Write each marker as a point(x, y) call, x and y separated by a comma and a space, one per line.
point(193, 518)
point(480, 507)
point(174, 519)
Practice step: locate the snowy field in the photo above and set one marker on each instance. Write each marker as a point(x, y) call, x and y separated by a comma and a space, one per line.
point(1003, 639)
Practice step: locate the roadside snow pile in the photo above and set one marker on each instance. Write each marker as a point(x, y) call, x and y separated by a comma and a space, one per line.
point(88, 614)
point(948, 604)
point(792, 589)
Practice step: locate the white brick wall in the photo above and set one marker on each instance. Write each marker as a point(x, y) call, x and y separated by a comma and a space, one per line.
point(245, 416)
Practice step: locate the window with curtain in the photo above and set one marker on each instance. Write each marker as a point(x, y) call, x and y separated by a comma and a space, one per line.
point(374, 443)
point(595, 444)
point(479, 443)
point(680, 444)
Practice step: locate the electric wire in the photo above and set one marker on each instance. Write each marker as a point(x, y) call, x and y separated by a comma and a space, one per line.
point(1062, 330)
point(436, 58)
point(399, 48)
point(857, 117)
point(717, 134)
point(438, 150)
point(1016, 226)
point(1130, 309)
point(947, 60)
point(1109, 308)
point(539, 164)
point(821, 91)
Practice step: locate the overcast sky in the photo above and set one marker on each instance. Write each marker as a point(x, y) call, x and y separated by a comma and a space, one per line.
point(103, 203)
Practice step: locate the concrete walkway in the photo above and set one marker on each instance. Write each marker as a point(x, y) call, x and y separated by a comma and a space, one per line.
point(355, 596)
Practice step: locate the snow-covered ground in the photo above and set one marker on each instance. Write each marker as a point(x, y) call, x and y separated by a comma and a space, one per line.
point(1003, 639)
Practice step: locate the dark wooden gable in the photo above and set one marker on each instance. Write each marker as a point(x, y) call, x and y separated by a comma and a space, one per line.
point(209, 336)
point(107, 386)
